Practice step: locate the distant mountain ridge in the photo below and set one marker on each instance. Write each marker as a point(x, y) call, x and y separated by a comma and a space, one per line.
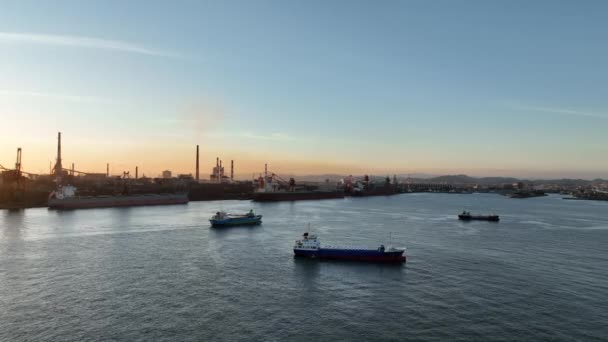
point(464, 179)
point(455, 179)
point(336, 177)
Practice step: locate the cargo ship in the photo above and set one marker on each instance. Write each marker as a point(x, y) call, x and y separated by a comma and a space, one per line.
point(309, 246)
point(526, 194)
point(367, 187)
point(377, 191)
point(222, 219)
point(275, 196)
point(466, 216)
point(65, 198)
point(273, 189)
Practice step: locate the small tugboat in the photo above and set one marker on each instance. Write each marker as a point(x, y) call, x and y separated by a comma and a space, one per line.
point(309, 246)
point(466, 216)
point(222, 219)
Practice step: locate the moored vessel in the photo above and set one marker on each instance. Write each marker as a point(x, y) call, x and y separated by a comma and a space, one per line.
point(275, 196)
point(310, 246)
point(466, 216)
point(273, 188)
point(223, 219)
point(368, 187)
point(526, 194)
point(65, 198)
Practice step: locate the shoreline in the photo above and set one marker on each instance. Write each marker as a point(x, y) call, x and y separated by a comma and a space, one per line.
point(243, 198)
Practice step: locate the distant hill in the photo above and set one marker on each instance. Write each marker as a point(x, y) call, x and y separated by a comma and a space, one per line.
point(464, 179)
point(336, 177)
point(568, 182)
point(450, 179)
point(415, 175)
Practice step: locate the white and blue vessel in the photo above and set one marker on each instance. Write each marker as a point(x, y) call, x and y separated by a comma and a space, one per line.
point(309, 246)
point(222, 219)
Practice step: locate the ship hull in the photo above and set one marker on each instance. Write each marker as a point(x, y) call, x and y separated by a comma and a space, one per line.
point(352, 255)
point(296, 196)
point(479, 218)
point(116, 201)
point(237, 221)
point(387, 191)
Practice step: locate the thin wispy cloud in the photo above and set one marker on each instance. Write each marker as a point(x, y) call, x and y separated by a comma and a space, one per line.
point(82, 42)
point(254, 136)
point(560, 111)
point(272, 136)
point(54, 96)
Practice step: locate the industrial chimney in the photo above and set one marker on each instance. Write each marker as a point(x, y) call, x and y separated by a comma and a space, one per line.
point(136, 172)
point(232, 170)
point(221, 179)
point(197, 169)
point(58, 167)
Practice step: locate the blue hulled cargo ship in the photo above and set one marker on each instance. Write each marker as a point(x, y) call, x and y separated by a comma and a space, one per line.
point(222, 219)
point(309, 246)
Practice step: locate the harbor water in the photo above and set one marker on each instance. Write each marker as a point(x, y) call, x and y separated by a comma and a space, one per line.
point(160, 273)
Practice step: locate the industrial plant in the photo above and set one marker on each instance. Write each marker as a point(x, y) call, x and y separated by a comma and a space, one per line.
point(22, 189)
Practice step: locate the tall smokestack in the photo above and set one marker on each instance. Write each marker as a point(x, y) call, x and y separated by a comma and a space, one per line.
point(108, 170)
point(58, 166)
point(72, 169)
point(216, 170)
point(265, 170)
point(232, 170)
point(136, 172)
point(197, 163)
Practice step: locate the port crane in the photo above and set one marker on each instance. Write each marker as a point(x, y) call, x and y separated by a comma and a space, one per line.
point(289, 185)
point(17, 170)
point(16, 177)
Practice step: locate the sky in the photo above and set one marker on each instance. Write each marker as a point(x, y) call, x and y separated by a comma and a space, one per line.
point(485, 88)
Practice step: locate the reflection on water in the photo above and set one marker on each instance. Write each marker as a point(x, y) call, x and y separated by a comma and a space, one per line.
point(307, 272)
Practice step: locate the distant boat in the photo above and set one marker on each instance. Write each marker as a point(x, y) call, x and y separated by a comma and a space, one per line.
point(309, 246)
point(526, 194)
point(466, 216)
point(222, 219)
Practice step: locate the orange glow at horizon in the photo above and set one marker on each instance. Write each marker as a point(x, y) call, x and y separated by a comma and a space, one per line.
point(152, 157)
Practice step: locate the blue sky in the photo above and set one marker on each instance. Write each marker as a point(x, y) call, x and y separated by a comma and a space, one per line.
point(478, 87)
